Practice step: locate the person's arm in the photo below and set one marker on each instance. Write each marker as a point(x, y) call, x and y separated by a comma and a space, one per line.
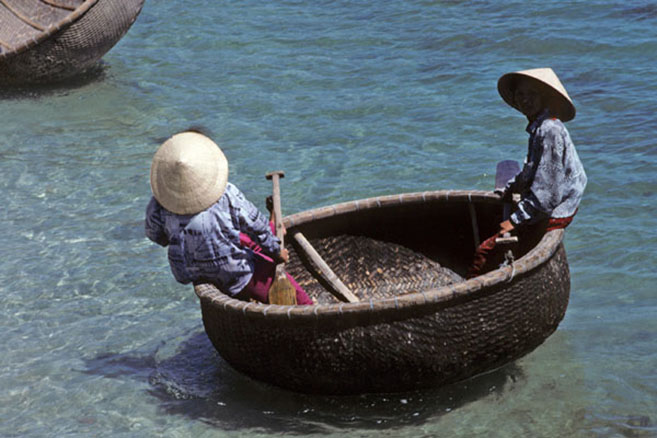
point(154, 225)
point(283, 256)
point(255, 224)
point(519, 182)
point(548, 184)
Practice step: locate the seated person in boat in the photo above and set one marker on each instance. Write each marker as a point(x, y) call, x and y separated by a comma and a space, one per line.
point(552, 180)
point(214, 234)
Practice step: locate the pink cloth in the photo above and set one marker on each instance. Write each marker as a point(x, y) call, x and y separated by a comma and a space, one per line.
point(263, 276)
point(488, 249)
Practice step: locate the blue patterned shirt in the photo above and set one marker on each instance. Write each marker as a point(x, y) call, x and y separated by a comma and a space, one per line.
point(552, 180)
point(206, 246)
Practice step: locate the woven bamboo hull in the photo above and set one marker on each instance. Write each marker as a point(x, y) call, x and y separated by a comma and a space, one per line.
point(408, 339)
point(47, 41)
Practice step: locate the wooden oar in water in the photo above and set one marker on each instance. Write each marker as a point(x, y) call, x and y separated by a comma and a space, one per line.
point(281, 291)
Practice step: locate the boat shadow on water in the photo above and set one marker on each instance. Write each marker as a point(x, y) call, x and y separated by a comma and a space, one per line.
point(95, 74)
point(195, 382)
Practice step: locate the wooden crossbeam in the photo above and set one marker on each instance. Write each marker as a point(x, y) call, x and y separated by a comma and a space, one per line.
point(337, 287)
point(21, 16)
point(59, 5)
point(5, 45)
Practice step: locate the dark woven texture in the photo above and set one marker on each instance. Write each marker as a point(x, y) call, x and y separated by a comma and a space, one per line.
point(370, 268)
point(33, 51)
point(432, 346)
point(410, 341)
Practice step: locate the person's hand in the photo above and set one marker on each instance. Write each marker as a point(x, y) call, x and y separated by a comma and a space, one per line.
point(506, 227)
point(275, 231)
point(505, 195)
point(272, 217)
point(284, 256)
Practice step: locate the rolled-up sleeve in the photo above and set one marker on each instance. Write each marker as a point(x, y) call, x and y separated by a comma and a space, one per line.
point(528, 211)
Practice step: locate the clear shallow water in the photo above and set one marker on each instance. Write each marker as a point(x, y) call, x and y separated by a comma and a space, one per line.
point(351, 100)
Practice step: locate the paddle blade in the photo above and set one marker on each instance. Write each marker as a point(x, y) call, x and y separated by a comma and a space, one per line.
point(282, 292)
point(506, 170)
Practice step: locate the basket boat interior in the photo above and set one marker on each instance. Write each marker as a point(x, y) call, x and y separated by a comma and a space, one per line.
point(395, 246)
point(27, 22)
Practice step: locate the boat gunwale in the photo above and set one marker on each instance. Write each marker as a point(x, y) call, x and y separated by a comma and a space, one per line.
point(49, 31)
point(454, 293)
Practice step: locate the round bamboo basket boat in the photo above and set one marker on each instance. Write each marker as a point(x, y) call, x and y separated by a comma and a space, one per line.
point(417, 323)
point(44, 41)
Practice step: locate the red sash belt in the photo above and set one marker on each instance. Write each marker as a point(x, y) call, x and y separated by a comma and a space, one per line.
point(488, 246)
point(556, 223)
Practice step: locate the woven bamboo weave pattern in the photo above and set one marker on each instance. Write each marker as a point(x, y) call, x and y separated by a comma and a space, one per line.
point(399, 354)
point(50, 40)
point(371, 268)
point(393, 340)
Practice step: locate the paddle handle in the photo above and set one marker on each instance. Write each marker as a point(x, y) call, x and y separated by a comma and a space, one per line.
point(276, 197)
point(506, 170)
point(506, 239)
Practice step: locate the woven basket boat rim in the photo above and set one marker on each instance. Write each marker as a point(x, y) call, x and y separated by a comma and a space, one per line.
point(542, 252)
point(52, 29)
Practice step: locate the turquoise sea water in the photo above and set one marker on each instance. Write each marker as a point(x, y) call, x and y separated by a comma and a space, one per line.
point(352, 100)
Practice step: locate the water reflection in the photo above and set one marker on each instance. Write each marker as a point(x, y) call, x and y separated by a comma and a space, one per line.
point(94, 74)
point(195, 382)
point(631, 426)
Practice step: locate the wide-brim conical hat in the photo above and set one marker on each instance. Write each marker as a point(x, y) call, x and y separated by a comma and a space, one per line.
point(189, 173)
point(547, 82)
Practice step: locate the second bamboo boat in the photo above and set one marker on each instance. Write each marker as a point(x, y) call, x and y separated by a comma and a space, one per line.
point(43, 41)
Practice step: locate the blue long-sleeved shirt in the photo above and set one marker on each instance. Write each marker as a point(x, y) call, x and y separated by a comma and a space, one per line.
point(206, 246)
point(552, 180)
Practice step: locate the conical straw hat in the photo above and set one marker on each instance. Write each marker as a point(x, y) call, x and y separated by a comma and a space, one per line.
point(189, 173)
point(547, 82)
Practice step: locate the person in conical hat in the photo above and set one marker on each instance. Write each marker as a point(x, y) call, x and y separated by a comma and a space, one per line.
point(213, 233)
point(539, 87)
point(552, 181)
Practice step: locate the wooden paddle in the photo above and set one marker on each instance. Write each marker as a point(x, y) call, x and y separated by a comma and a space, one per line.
point(506, 170)
point(281, 291)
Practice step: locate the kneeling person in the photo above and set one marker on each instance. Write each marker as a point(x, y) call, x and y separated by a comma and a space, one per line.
point(214, 234)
